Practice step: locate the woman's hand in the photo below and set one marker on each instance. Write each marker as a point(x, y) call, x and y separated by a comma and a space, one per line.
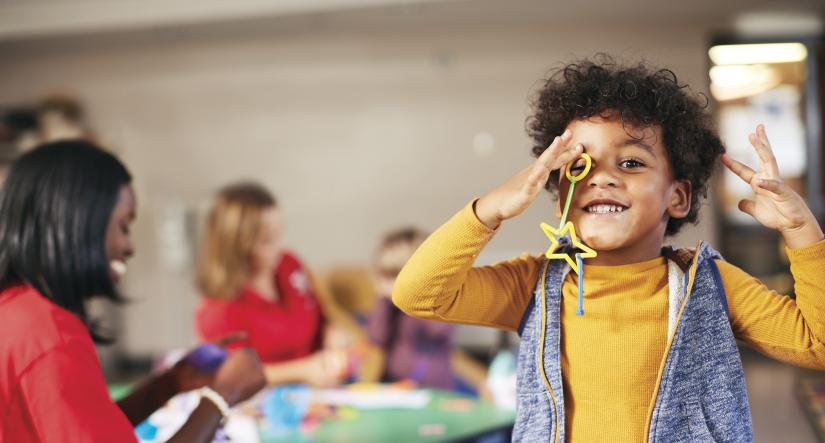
point(774, 204)
point(187, 377)
point(326, 368)
point(514, 196)
point(239, 377)
point(336, 337)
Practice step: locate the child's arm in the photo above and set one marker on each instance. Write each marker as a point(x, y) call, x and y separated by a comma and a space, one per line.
point(786, 329)
point(439, 282)
point(778, 326)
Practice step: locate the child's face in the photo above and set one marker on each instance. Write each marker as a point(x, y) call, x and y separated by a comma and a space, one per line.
point(621, 208)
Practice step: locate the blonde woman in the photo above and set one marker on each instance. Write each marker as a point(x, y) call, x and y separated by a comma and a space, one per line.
point(251, 284)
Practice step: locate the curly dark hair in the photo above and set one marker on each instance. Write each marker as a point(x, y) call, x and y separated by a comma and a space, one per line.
point(641, 96)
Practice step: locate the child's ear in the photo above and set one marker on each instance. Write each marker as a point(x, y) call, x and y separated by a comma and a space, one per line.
point(679, 205)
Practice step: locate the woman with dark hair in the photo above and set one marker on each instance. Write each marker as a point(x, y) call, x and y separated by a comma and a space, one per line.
point(65, 213)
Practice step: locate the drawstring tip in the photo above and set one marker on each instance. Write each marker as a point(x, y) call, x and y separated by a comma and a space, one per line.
point(580, 312)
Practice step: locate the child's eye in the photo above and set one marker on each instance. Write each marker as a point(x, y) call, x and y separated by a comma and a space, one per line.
point(578, 166)
point(631, 164)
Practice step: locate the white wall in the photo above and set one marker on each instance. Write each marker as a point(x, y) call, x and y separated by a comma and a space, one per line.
point(355, 131)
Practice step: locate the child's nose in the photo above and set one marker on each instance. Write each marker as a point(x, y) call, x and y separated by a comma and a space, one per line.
point(601, 178)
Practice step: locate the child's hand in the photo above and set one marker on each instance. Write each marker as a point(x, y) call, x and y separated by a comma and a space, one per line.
point(774, 204)
point(514, 196)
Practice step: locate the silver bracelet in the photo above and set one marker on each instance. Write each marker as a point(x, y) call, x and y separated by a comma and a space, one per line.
point(216, 399)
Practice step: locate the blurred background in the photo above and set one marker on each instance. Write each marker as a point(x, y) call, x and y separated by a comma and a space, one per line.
point(366, 115)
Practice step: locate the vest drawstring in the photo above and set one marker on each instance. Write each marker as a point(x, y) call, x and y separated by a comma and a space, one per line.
point(580, 265)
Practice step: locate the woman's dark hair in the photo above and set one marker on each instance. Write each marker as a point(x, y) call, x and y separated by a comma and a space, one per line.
point(640, 97)
point(55, 207)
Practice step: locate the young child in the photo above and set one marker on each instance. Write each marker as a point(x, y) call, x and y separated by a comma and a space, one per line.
point(654, 357)
point(410, 348)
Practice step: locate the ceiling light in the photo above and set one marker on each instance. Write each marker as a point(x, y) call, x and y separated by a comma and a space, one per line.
point(758, 53)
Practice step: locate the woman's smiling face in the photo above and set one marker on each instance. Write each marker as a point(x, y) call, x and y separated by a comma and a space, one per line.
point(119, 246)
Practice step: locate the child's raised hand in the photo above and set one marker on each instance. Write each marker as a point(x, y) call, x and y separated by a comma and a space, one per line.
point(774, 204)
point(514, 196)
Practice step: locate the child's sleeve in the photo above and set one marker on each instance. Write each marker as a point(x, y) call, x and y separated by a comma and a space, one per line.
point(778, 326)
point(439, 281)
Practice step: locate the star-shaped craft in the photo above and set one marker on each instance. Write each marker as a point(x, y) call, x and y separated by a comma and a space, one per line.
point(555, 234)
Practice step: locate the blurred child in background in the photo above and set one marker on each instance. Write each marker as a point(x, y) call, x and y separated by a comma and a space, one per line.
point(413, 349)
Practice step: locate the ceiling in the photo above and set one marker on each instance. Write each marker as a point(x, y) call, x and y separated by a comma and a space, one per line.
point(37, 19)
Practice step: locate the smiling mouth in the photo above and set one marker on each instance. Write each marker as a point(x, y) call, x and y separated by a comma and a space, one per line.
point(603, 208)
point(118, 267)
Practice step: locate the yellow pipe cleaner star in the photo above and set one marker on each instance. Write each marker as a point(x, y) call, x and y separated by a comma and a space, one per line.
point(566, 227)
point(569, 256)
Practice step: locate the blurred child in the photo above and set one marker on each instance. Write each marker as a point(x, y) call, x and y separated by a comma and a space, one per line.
point(412, 349)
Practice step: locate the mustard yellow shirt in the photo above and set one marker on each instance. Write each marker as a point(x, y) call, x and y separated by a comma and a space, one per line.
point(611, 355)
